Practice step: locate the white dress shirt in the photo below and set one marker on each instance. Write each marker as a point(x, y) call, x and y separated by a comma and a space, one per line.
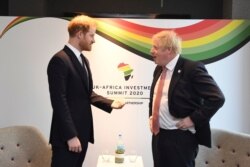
point(166, 120)
point(78, 55)
point(76, 52)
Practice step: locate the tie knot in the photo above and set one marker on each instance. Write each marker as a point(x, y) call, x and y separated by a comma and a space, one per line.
point(164, 69)
point(82, 58)
point(81, 55)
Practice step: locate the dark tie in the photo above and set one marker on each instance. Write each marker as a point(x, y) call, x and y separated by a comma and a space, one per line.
point(157, 100)
point(85, 69)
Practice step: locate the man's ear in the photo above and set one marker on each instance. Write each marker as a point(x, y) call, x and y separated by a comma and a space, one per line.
point(79, 34)
point(169, 50)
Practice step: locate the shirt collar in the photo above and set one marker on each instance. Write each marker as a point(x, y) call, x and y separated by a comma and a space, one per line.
point(76, 52)
point(171, 65)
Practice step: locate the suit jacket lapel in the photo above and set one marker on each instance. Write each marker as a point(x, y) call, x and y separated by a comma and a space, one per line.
point(78, 67)
point(178, 70)
point(157, 74)
point(86, 61)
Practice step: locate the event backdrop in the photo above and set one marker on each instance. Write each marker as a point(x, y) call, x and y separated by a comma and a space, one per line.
point(122, 68)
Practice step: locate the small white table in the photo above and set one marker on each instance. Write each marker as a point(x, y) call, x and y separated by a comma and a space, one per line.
point(111, 162)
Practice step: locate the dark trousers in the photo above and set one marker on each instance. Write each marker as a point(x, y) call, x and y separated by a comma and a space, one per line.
point(62, 157)
point(174, 148)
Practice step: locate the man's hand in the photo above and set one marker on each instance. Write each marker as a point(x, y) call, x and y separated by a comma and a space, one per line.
point(150, 123)
point(185, 123)
point(74, 145)
point(118, 104)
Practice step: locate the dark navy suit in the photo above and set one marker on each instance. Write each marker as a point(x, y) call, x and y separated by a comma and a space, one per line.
point(71, 93)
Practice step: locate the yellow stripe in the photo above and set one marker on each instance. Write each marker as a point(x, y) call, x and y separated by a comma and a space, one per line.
point(112, 30)
point(213, 36)
point(124, 68)
point(107, 28)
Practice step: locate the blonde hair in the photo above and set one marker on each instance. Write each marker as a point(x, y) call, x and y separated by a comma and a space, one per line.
point(80, 23)
point(168, 39)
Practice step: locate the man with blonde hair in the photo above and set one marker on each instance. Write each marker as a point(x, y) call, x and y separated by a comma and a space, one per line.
point(183, 99)
point(71, 93)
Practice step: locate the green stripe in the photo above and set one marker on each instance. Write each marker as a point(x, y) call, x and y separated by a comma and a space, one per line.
point(138, 45)
point(220, 49)
point(128, 72)
point(218, 42)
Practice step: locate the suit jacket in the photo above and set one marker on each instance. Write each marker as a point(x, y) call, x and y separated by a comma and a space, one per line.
point(71, 98)
point(192, 92)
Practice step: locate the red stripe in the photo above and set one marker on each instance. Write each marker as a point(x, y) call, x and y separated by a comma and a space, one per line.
point(132, 27)
point(206, 29)
point(194, 31)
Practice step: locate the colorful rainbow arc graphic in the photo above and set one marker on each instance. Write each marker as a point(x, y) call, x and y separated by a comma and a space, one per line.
point(207, 40)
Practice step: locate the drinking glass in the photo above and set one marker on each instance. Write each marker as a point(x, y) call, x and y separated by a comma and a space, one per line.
point(105, 156)
point(132, 156)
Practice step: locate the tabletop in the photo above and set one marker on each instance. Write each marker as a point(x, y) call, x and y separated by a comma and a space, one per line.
point(129, 161)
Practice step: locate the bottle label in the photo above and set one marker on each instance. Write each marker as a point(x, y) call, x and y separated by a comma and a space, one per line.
point(120, 147)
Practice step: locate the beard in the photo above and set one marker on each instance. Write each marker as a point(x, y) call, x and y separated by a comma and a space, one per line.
point(85, 46)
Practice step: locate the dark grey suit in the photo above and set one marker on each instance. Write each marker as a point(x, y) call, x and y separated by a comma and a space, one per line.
point(194, 93)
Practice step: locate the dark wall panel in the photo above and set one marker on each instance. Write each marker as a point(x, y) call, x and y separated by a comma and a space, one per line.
point(4, 7)
point(197, 9)
point(59, 7)
point(194, 9)
point(27, 7)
